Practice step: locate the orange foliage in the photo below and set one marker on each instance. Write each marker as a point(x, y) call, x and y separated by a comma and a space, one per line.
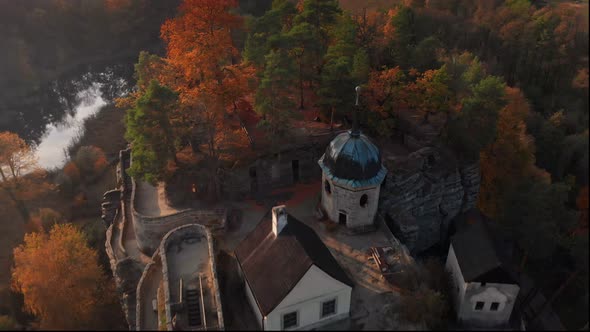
point(385, 90)
point(202, 62)
point(59, 277)
point(90, 160)
point(16, 157)
point(511, 157)
point(72, 171)
point(114, 5)
point(199, 40)
point(20, 176)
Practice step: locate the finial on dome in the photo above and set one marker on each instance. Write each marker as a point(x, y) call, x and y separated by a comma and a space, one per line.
point(355, 123)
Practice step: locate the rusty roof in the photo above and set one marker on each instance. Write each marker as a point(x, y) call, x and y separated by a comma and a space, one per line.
point(272, 265)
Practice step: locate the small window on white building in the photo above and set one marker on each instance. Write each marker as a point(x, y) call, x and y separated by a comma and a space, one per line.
point(290, 320)
point(494, 306)
point(328, 308)
point(364, 200)
point(479, 305)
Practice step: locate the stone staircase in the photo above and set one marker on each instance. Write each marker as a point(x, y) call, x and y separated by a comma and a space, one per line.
point(193, 307)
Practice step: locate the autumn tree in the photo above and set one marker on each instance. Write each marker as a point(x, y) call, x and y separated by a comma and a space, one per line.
point(386, 91)
point(273, 98)
point(430, 93)
point(59, 276)
point(150, 132)
point(44, 219)
point(208, 76)
point(20, 177)
point(90, 160)
point(510, 158)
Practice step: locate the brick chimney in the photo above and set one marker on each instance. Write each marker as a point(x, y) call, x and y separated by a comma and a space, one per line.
point(279, 219)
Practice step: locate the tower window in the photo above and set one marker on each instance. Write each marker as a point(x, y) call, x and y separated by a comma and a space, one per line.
point(327, 187)
point(364, 200)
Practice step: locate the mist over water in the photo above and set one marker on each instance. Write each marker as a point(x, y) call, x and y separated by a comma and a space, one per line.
point(51, 151)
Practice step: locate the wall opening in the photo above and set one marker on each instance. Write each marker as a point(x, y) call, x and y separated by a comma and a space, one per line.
point(295, 169)
point(364, 200)
point(327, 187)
point(342, 218)
point(253, 180)
point(274, 172)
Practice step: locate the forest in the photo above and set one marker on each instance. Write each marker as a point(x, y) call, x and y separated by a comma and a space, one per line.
point(504, 82)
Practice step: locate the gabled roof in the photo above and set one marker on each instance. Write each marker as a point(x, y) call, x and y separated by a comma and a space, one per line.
point(476, 253)
point(273, 265)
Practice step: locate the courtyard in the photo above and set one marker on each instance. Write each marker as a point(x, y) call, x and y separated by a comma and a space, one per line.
point(373, 300)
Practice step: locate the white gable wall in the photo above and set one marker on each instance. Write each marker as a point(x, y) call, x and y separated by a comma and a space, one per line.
point(466, 295)
point(306, 297)
point(459, 286)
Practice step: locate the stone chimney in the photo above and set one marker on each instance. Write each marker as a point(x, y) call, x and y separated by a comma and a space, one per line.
point(279, 219)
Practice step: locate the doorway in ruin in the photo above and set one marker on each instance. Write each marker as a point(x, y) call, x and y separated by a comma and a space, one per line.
point(295, 169)
point(342, 218)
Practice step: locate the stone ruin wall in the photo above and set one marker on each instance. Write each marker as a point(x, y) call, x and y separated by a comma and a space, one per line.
point(149, 230)
point(171, 237)
point(127, 272)
point(150, 268)
point(239, 184)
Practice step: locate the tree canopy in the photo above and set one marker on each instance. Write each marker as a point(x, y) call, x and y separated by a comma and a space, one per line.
point(60, 279)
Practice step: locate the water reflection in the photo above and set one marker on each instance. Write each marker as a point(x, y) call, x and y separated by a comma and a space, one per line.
point(30, 114)
point(50, 116)
point(52, 149)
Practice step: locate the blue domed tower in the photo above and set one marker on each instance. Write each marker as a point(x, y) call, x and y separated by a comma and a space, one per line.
point(352, 174)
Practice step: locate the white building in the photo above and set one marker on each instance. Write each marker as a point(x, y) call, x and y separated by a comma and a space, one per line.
point(292, 281)
point(352, 174)
point(484, 290)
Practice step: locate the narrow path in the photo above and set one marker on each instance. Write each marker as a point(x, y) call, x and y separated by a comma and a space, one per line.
point(149, 317)
point(129, 241)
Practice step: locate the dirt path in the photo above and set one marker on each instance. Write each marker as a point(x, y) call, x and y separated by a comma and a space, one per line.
point(151, 201)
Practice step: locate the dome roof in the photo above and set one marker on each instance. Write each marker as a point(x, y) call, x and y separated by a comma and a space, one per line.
point(352, 156)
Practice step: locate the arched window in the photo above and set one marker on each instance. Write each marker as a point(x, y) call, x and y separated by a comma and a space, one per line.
point(327, 187)
point(364, 200)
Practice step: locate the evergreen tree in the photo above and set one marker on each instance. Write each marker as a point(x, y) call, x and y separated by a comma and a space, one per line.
point(273, 98)
point(337, 84)
point(266, 31)
point(150, 132)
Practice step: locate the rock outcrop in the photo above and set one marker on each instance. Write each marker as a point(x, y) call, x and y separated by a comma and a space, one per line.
point(423, 192)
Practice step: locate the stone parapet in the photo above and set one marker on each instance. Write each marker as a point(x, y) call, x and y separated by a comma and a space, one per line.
point(149, 230)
